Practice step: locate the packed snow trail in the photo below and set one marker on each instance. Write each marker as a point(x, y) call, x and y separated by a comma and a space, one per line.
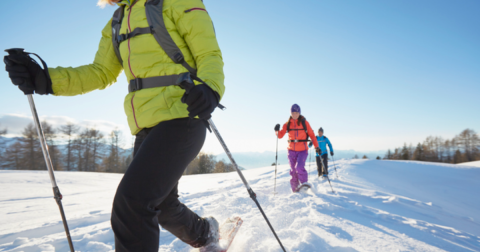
point(377, 206)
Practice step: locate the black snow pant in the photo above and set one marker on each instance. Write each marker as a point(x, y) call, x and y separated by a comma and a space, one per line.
point(147, 194)
point(319, 165)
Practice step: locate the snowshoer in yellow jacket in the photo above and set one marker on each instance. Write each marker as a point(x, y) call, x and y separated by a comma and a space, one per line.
point(169, 123)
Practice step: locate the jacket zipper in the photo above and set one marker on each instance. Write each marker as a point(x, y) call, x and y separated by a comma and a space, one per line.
point(129, 66)
point(192, 9)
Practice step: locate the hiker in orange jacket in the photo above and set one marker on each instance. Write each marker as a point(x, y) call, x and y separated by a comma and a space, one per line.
point(298, 132)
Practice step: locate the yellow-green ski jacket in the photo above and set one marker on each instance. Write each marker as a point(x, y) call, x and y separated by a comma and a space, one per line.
point(190, 27)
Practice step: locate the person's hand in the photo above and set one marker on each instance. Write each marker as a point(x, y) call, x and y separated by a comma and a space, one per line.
point(27, 74)
point(277, 127)
point(318, 150)
point(331, 153)
point(201, 101)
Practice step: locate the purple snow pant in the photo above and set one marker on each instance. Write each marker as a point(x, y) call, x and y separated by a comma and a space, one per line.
point(297, 165)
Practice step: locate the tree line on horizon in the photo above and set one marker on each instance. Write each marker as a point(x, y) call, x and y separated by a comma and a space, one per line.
point(73, 148)
point(207, 163)
point(464, 147)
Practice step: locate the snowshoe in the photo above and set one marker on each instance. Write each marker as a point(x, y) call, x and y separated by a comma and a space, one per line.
point(212, 244)
point(304, 187)
point(228, 230)
point(220, 239)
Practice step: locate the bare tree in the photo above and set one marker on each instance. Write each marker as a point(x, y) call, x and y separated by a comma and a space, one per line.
point(50, 136)
point(13, 157)
point(468, 141)
point(69, 130)
point(96, 140)
point(2, 146)
point(31, 149)
point(114, 162)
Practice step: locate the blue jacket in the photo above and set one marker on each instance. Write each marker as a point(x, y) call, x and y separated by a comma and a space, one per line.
point(322, 143)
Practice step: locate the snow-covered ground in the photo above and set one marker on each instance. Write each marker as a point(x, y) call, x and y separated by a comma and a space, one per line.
point(473, 163)
point(377, 206)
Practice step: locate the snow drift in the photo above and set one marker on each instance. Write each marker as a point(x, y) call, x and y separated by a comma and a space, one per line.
point(377, 206)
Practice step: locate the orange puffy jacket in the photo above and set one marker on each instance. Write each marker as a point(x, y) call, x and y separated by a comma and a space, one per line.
point(297, 132)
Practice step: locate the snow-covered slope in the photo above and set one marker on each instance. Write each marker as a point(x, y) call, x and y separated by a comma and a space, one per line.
point(377, 206)
point(473, 163)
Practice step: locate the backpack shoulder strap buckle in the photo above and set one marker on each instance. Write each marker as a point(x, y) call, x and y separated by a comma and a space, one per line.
point(137, 85)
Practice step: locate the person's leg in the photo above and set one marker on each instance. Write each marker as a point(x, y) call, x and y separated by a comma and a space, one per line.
point(292, 158)
point(302, 173)
point(325, 163)
point(319, 166)
point(159, 162)
point(177, 219)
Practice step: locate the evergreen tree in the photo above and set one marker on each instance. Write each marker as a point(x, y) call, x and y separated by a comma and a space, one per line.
point(405, 155)
point(388, 155)
point(418, 153)
point(206, 163)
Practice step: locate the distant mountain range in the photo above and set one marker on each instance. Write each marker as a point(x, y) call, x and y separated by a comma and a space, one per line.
point(251, 160)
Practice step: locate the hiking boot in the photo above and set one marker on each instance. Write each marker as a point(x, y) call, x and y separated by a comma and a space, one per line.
point(212, 244)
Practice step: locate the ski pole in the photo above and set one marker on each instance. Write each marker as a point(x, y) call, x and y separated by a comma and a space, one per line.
point(185, 82)
point(48, 161)
point(335, 167)
point(276, 161)
point(310, 162)
point(249, 189)
point(323, 167)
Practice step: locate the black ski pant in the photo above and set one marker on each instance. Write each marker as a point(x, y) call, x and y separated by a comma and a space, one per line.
point(147, 194)
point(319, 165)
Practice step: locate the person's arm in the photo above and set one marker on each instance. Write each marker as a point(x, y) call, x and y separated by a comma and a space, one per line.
point(282, 132)
point(311, 134)
point(103, 72)
point(330, 146)
point(197, 30)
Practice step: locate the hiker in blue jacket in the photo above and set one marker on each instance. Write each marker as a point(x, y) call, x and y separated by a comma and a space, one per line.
point(322, 143)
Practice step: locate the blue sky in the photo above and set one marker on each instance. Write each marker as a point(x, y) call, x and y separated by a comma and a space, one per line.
point(373, 74)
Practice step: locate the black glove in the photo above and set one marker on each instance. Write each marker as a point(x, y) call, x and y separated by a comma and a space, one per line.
point(310, 145)
point(331, 153)
point(27, 74)
point(318, 150)
point(201, 101)
point(277, 127)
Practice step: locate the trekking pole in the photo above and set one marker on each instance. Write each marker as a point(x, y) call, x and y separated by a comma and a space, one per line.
point(323, 167)
point(310, 161)
point(335, 167)
point(276, 161)
point(185, 81)
point(249, 189)
point(48, 161)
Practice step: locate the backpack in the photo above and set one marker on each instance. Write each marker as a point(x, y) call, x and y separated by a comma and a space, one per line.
point(304, 128)
point(154, 13)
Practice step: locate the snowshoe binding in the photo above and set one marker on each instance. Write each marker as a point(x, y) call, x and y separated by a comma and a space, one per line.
point(304, 187)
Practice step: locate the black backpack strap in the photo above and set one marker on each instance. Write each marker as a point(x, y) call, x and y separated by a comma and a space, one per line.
point(297, 141)
point(305, 128)
point(154, 11)
point(152, 82)
point(137, 31)
point(116, 24)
